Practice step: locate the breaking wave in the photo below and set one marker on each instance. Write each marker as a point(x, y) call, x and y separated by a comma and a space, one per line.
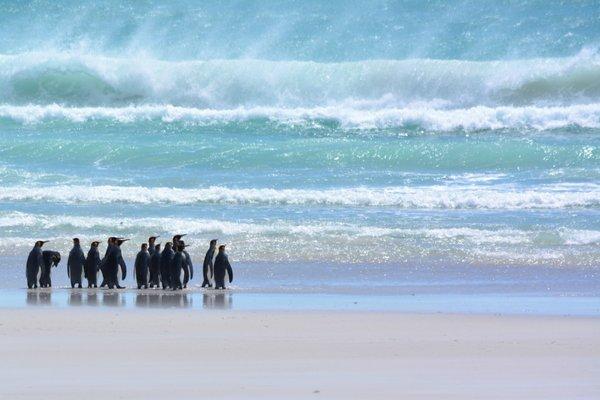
point(76, 79)
point(199, 226)
point(419, 117)
point(552, 196)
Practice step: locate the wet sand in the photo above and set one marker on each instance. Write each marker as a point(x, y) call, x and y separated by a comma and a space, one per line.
point(103, 353)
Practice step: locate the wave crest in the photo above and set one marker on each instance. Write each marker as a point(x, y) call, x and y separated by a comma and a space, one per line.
point(426, 197)
point(75, 79)
point(430, 119)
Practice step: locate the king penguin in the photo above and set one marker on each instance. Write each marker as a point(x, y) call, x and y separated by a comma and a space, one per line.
point(75, 264)
point(35, 265)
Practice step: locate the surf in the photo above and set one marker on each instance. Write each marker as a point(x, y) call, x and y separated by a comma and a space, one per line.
point(502, 197)
point(347, 116)
point(98, 80)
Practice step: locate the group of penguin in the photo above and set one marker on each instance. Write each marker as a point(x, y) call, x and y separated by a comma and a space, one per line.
point(170, 268)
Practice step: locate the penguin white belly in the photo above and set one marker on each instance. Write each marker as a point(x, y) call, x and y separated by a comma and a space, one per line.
point(39, 274)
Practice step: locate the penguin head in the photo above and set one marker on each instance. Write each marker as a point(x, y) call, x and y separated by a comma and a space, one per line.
point(221, 248)
point(40, 243)
point(181, 245)
point(95, 243)
point(56, 258)
point(144, 246)
point(151, 239)
point(76, 241)
point(213, 242)
point(157, 247)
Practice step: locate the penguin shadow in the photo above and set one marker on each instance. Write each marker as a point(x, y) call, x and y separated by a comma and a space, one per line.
point(217, 301)
point(75, 298)
point(112, 299)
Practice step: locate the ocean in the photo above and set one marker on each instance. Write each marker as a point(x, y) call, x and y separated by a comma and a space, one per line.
point(359, 143)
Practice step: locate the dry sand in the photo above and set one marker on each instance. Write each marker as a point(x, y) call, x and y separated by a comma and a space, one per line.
point(106, 354)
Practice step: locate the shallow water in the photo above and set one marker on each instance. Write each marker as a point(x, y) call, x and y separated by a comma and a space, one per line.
point(197, 299)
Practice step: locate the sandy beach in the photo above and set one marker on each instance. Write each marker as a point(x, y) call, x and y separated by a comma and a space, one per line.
point(99, 353)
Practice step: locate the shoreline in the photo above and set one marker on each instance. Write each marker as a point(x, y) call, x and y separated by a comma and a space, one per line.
point(236, 299)
point(295, 354)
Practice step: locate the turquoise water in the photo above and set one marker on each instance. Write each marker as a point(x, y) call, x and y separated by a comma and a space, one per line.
point(390, 133)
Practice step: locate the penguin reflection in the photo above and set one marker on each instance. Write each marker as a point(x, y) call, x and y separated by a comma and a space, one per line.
point(75, 298)
point(218, 301)
point(112, 299)
point(175, 300)
point(92, 299)
point(142, 300)
point(154, 299)
point(32, 298)
point(45, 297)
point(38, 298)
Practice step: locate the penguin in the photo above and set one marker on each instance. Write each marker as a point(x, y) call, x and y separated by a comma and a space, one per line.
point(179, 267)
point(92, 265)
point(141, 266)
point(151, 244)
point(75, 264)
point(222, 267)
point(51, 259)
point(104, 262)
point(118, 264)
point(155, 268)
point(165, 265)
point(35, 264)
point(188, 260)
point(207, 266)
point(176, 240)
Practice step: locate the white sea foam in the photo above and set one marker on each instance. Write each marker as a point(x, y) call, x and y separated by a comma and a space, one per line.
point(580, 237)
point(282, 240)
point(94, 79)
point(430, 119)
point(552, 196)
point(12, 221)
